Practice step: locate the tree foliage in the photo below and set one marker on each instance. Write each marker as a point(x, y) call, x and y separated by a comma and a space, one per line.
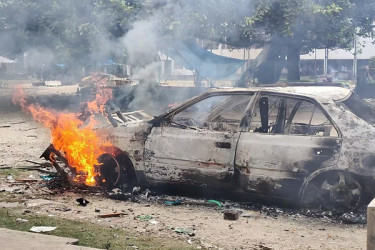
point(86, 30)
point(72, 29)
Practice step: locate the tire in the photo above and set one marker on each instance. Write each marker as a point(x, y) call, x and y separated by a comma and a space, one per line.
point(128, 176)
point(109, 171)
point(335, 190)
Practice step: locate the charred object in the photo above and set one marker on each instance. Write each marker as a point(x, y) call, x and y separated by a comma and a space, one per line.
point(108, 171)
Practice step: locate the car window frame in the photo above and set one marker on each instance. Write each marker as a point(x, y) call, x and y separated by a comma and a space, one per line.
point(250, 110)
point(167, 118)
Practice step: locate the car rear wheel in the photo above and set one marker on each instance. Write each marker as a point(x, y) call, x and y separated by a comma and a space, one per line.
point(332, 191)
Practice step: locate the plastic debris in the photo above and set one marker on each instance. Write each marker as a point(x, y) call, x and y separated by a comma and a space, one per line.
point(146, 217)
point(22, 220)
point(47, 177)
point(153, 222)
point(42, 229)
point(218, 203)
point(176, 202)
point(186, 231)
point(10, 178)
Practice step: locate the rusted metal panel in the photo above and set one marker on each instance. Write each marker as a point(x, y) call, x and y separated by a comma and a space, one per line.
point(276, 157)
point(187, 155)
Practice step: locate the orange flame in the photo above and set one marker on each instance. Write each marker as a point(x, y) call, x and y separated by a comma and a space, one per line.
point(101, 97)
point(79, 143)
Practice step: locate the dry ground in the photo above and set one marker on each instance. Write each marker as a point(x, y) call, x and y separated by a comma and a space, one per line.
point(25, 139)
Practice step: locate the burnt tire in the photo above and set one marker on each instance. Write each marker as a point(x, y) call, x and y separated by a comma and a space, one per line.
point(109, 171)
point(128, 176)
point(336, 190)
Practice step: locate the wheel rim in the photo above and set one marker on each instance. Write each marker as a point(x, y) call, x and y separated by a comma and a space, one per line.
point(109, 171)
point(334, 190)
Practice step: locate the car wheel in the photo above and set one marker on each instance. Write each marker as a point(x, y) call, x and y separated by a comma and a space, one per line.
point(109, 171)
point(128, 176)
point(333, 191)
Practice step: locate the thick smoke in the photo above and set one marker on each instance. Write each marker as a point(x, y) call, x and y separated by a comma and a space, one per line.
point(169, 22)
point(82, 35)
point(79, 36)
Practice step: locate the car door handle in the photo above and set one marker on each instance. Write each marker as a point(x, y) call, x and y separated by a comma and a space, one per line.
point(323, 152)
point(223, 144)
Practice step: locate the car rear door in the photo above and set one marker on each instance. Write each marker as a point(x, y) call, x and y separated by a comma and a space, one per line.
point(287, 139)
point(196, 145)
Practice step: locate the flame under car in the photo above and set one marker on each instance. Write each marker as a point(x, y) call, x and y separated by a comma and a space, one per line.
point(308, 145)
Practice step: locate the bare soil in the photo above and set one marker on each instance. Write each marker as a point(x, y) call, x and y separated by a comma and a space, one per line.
point(23, 139)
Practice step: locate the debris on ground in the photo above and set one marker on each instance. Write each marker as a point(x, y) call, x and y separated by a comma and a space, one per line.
point(351, 218)
point(192, 202)
point(153, 222)
point(146, 217)
point(48, 177)
point(22, 220)
point(110, 215)
point(176, 202)
point(42, 229)
point(231, 214)
point(10, 178)
point(82, 202)
point(26, 180)
point(187, 231)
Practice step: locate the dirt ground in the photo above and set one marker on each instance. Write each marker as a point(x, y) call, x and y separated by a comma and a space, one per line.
point(22, 138)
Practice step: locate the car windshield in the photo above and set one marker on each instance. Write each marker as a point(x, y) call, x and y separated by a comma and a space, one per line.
point(360, 108)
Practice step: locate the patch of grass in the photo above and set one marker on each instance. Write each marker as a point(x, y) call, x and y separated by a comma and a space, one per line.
point(88, 234)
point(12, 171)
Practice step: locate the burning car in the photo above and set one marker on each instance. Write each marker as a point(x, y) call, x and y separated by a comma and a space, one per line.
point(312, 145)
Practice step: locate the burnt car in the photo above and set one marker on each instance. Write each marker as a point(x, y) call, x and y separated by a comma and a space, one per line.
point(311, 145)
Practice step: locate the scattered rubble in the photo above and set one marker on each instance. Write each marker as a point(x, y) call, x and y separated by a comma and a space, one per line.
point(22, 220)
point(231, 214)
point(42, 229)
point(82, 202)
point(187, 231)
point(146, 217)
point(110, 215)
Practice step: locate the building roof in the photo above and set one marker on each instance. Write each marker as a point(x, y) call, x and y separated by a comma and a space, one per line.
point(365, 50)
point(322, 94)
point(6, 60)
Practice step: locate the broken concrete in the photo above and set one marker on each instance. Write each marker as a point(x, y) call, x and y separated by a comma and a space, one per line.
point(17, 240)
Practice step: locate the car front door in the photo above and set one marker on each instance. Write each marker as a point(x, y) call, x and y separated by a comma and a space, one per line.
point(196, 144)
point(286, 139)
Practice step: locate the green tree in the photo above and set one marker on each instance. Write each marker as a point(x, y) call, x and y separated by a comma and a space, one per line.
point(75, 30)
point(295, 26)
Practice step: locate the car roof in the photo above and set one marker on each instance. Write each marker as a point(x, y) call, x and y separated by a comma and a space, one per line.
point(323, 94)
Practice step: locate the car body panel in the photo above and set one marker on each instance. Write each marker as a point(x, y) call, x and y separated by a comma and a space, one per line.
point(274, 164)
point(189, 156)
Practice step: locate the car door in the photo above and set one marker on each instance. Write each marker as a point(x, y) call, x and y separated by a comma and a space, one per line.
point(286, 139)
point(196, 145)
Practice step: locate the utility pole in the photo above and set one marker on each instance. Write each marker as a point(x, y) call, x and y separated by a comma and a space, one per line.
point(355, 59)
point(316, 75)
point(326, 61)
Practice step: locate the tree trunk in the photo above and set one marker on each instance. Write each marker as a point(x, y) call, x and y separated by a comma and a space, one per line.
point(293, 60)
